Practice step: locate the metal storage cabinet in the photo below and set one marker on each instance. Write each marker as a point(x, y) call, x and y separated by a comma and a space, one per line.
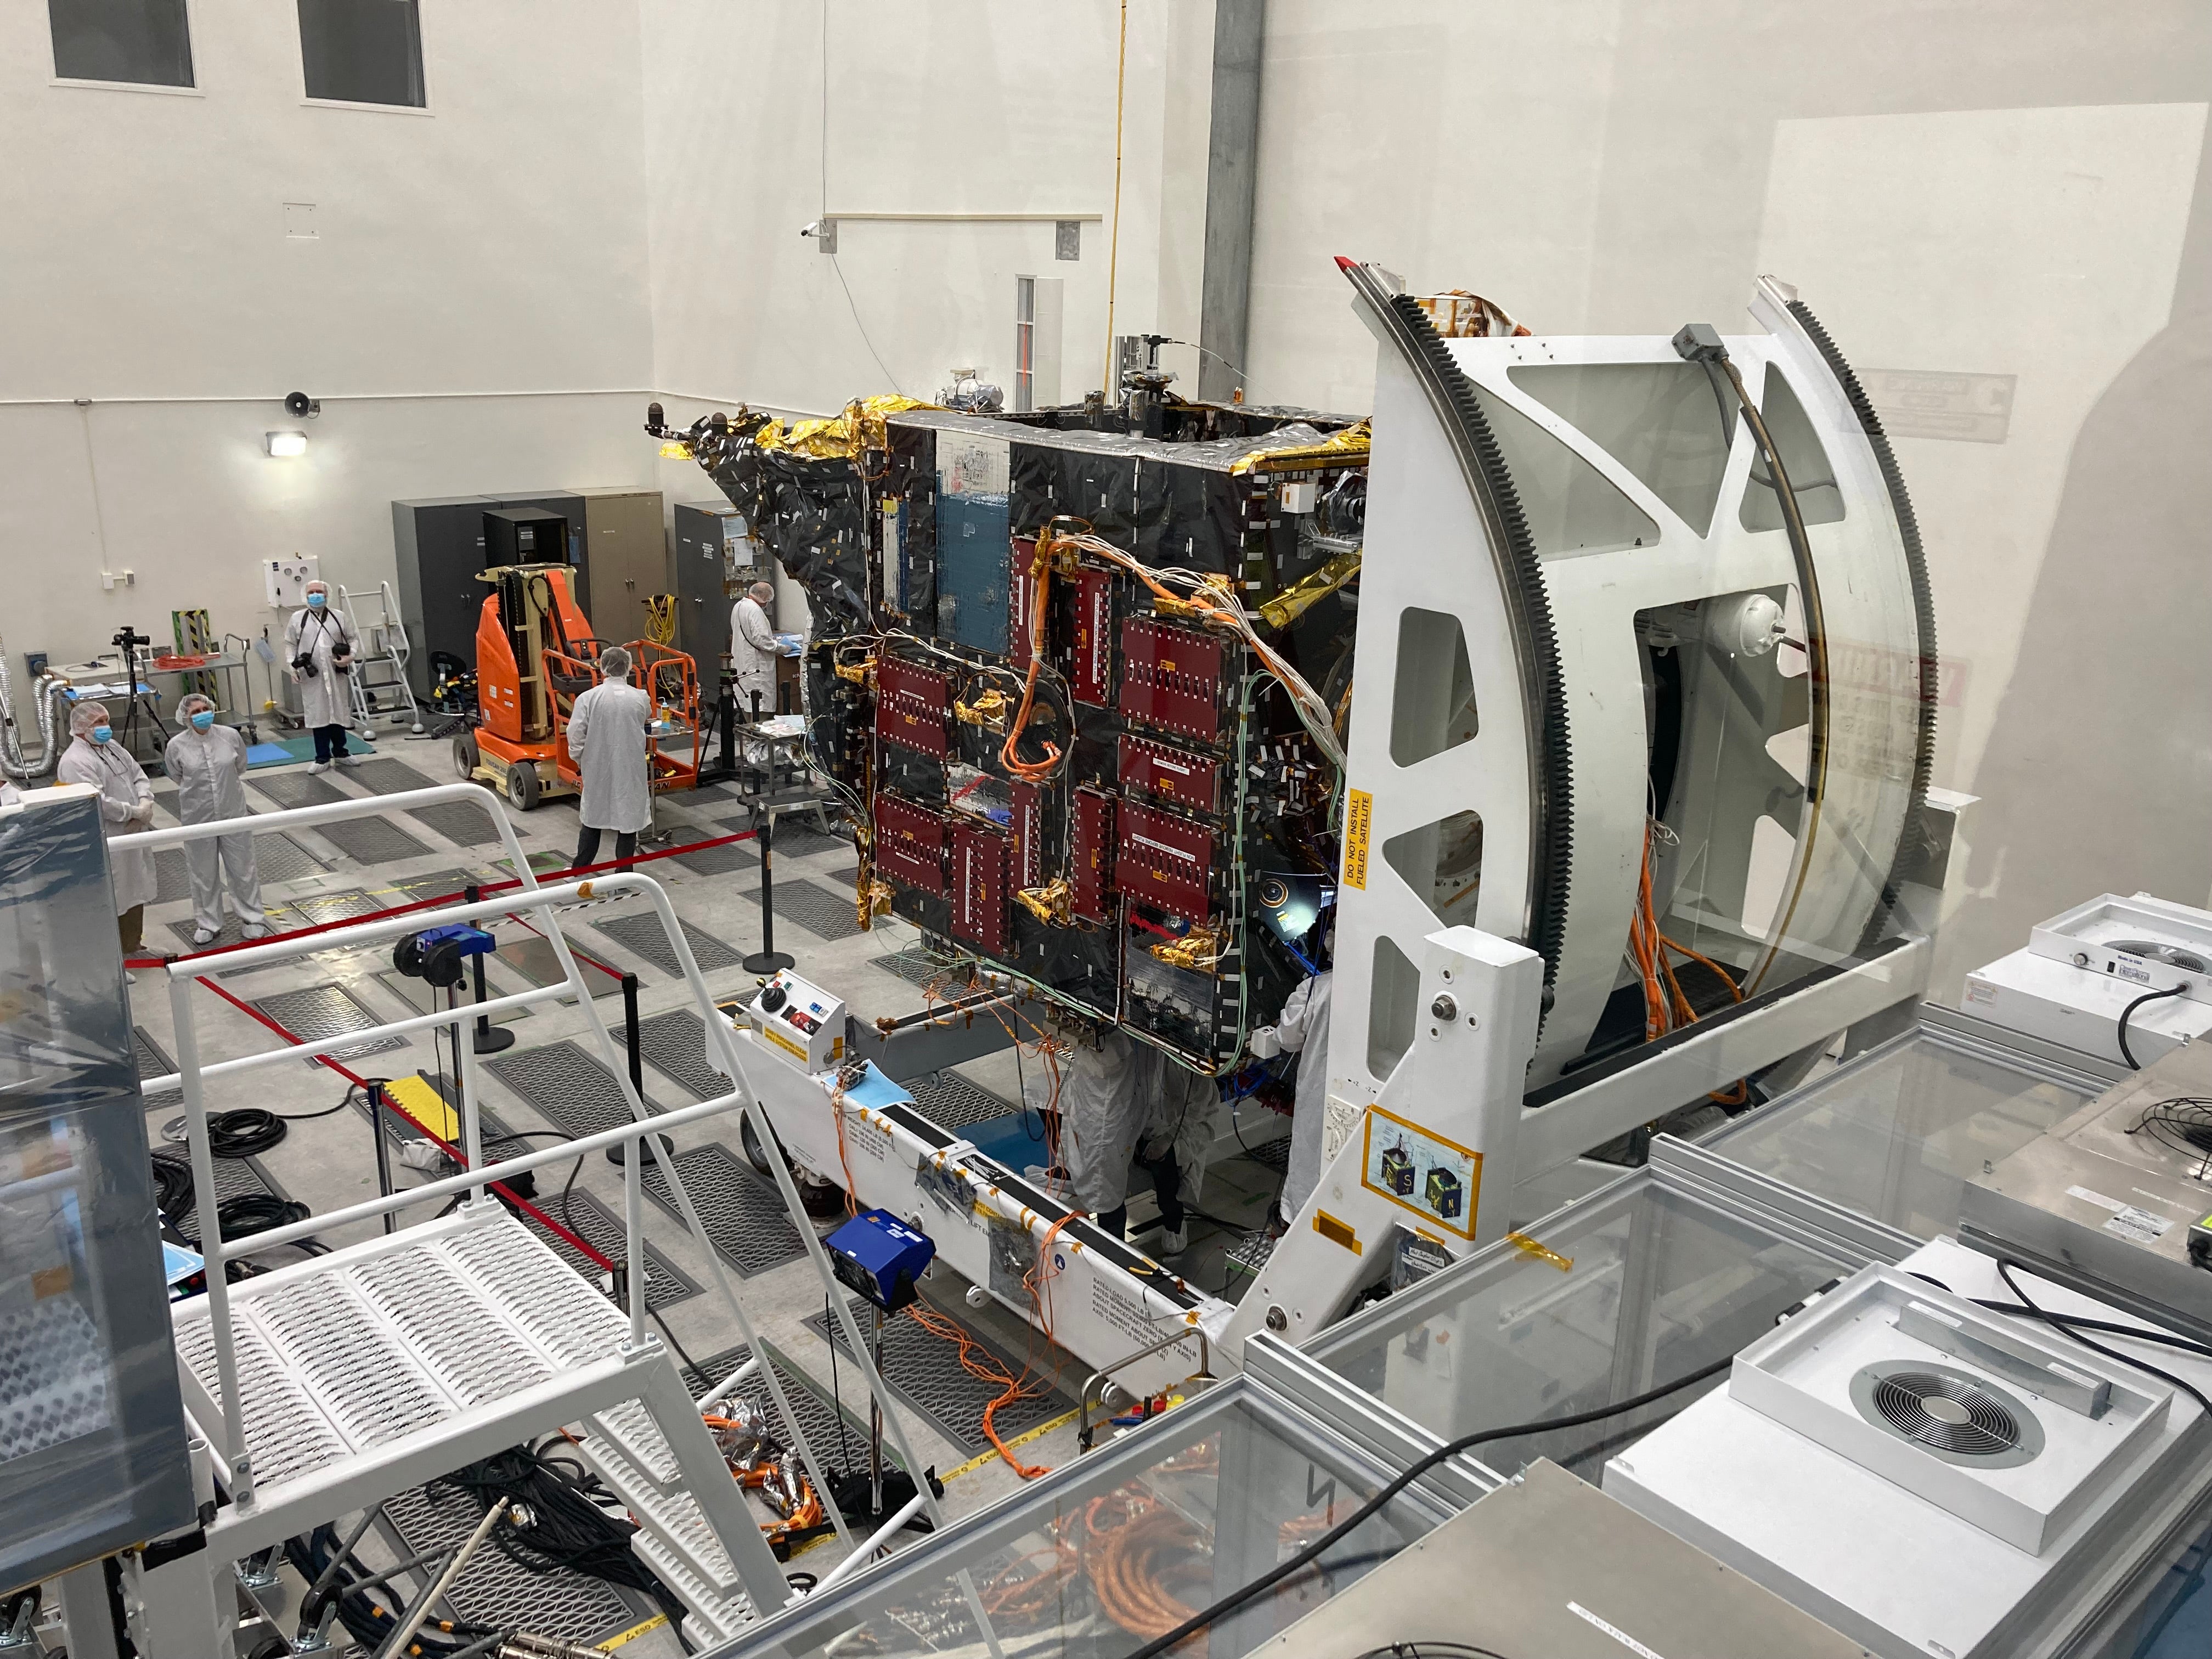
point(625, 559)
point(713, 564)
point(439, 546)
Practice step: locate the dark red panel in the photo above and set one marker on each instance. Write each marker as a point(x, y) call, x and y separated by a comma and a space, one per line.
point(1028, 803)
point(1090, 853)
point(1164, 859)
point(1152, 767)
point(909, 843)
point(914, 705)
point(979, 886)
point(1172, 677)
point(1091, 665)
point(1021, 603)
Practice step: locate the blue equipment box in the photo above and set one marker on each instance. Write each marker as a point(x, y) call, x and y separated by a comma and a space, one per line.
point(881, 1257)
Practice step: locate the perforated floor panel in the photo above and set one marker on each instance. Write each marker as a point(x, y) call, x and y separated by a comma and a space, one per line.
point(924, 1372)
point(848, 875)
point(417, 995)
point(732, 858)
point(435, 883)
point(1249, 1254)
point(794, 840)
point(819, 1421)
point(234, 1177)
point(743, 1215)
point(1272, 1155)
point(951, 1101)
point(382, 775)
point(371, 840)
point(665, 1282)
point(641, 935)
point(279, 857)
point(172, 881)
point(825, 914)
point(567, 1084)
point(675, 1045)
point(298, 789)
point(492, 1590)
point(316, 1012)
point(458, 822)
point(152, 1060)
point(917, 966)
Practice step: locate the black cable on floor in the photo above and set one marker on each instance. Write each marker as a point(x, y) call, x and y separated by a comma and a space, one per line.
point(689, 1363)
point(246, 1132)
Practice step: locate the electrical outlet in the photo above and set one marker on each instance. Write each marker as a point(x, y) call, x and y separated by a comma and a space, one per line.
point(36, 662)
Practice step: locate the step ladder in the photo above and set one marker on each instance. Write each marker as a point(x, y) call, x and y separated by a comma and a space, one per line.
point(384, 646)
point(461, 1337)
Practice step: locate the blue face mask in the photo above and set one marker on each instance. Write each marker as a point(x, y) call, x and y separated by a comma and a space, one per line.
point(202, 719)
point(317, 601)
point(102, 734)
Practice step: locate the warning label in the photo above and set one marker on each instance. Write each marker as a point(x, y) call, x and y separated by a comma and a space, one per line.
point(1359, 819)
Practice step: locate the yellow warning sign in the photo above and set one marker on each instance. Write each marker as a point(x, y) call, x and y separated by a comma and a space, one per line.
point(1358, 818)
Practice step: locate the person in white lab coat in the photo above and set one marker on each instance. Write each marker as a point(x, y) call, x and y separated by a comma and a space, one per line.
point(1179, 1123)
point(1301, 1029)
point(753, 651)
point(318, 645)
point(126, 806)
point(611, 740)
point(208, 763)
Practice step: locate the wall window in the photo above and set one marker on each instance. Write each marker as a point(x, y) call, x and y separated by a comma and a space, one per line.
point(362, 52)
point(144, 43)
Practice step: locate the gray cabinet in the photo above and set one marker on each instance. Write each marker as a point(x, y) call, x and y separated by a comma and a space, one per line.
point(625, 560)
point(714, 565)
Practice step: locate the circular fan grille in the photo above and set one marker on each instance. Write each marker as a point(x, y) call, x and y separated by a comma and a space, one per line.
point(1942, 1411)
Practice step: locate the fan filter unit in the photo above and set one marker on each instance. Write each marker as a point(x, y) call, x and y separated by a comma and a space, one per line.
point(1960, 1417)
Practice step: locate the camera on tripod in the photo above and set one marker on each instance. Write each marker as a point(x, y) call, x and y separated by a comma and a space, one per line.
point(130, 643)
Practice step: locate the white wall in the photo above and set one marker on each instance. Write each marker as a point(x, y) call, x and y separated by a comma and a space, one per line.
point(1988, 187)
point(495, 244)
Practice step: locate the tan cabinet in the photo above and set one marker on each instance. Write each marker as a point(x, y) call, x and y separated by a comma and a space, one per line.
point(625, 559)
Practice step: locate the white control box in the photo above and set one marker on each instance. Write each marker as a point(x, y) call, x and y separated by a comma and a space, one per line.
point(287, 580)
point(804, 1021)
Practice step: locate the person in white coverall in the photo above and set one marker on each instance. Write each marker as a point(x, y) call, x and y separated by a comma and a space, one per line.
point(126, 806)
point(753, 651)
point(1301, 1029)
point(1123, 1103)
point(208, 763)
point(611, 740)
point(318, 645)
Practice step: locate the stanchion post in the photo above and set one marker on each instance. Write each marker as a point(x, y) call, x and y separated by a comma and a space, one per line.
point(768, 959)
point(383, 1153)
point(489, 1039)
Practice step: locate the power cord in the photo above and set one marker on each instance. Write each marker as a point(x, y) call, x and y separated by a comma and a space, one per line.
point(246, 1132)
point(2065, 1324)
point(1307, 1554)
point(2127, 1013)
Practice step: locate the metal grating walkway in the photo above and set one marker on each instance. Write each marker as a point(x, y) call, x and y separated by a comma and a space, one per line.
point(235, 1177)
point(316, 1012)
point(665, 1283)
point(675, 1045)
point(301, 789)
point(795, 840)
point(371, 840)
point(918, 966)
point(172, 881)
point(571, 1088)
point(729, 860)
point(458, 823)
point(926, 1374)
point(493, 1589)
point(743, 1215)
point(951, 1101)
point(643, 936)
point(825, 914)
point(382, 775)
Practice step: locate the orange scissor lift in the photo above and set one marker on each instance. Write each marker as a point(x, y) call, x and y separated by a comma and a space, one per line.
point(536, 654)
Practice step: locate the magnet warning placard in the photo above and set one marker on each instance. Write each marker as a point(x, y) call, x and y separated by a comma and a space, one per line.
point(1359, 818)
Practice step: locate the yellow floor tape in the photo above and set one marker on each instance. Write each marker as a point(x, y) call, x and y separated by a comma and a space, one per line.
point(633, 1632)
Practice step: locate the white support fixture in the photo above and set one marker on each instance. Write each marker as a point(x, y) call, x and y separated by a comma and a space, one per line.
point(340, 1381)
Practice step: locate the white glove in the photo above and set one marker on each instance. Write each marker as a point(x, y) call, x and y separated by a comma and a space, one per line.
point(1263, 1043)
